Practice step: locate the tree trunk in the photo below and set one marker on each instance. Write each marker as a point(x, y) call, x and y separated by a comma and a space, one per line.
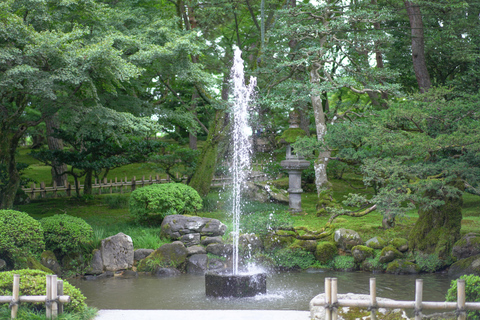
point(87, 184)
point(437, 229)
point(207, 162)
point(418, 46)
point(58, 168)
point(8, 149)
point(320, 165)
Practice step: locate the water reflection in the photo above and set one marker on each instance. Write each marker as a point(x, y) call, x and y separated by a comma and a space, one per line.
point(285, 291)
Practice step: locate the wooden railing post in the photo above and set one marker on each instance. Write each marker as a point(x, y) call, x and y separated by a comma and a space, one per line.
point(328, 298)
point(462, 315)
point(334, 299)
point(60, 293)
point(373, 299)
point(418, 299)
point(15, 295)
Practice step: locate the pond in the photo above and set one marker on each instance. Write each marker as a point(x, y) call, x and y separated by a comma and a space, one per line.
point(285, 291)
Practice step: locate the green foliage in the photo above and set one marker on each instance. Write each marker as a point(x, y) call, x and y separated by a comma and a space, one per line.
point(472, 293)
point(27, 314)
point(20, 237)
point(66, 234)
point(343, 263)
point(428, 262)
point(374, 263)
point(176, 161)
point(116, 201)
point(263, 222)
point(293, 258)
point(160, 200)
point(33, 283)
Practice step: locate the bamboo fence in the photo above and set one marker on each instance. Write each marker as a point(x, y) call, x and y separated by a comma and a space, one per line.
point(332, 303)
point(54, 298)
point(118, 185)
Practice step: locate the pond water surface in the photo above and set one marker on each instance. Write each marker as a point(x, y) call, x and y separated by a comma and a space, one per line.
point(285, 291)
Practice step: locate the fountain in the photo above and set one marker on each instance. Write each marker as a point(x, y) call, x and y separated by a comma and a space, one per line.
point(235, 283)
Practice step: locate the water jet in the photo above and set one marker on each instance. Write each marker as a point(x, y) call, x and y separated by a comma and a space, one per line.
point(232, 283)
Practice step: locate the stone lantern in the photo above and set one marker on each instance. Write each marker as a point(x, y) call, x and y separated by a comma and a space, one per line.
point(294, 163)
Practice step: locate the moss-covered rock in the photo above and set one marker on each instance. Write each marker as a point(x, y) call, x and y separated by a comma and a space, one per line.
point(469, 265)
point(48, 259)
point(346, 239)
point(275, 241)
point(360, 253)
point(307, 245)
point(401, 266)
point(325, 251)
point(389, 253)
point(438, 228)
point(400, 243)
point(170, 255)
point(34, 264)
point(466, 247)
point(376, 243)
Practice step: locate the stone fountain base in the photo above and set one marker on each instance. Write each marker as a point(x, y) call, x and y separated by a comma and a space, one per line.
point(223, 285)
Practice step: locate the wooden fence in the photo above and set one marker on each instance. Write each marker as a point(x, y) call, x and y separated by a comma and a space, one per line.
point(54, 298)
point(332, 303)
point(117, 185)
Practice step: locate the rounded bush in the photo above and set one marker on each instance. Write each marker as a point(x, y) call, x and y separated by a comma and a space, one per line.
point(472, 293)
point(65, 234)
point(33, 283)
point(20, 237)
point(160, 200)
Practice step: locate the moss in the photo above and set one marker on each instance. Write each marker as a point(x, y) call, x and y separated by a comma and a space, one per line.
point(401, 266)
point(307, 245)
point(290, 135)
point(273, 241)
point(397, 253)
point(438, 228)
point(360, 253)
point(399, 242)
point(34, 264)
point(325, 251)
point(380, 243)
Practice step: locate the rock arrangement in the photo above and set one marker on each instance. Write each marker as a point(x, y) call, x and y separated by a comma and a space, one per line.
point(198, 247)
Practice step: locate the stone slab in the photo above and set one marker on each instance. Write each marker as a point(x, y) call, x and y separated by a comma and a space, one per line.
point(203, 314)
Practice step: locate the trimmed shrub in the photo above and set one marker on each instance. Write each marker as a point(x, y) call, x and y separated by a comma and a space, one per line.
point(160, 200)
point(33, 283)
point(293, 258)
point(472, 293)
point(20, 237)
point(65, 234)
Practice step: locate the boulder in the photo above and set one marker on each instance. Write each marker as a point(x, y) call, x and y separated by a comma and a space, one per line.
point(360, 253)
point(170, 255)
point(190, 239)
point(470, 265)
point(166, 272)
point(274, 241)
point(196, 250)
point(325, 251)
point(117, 252)
point(48, 259)
point(3, 264)
point(346, 239)
point(205, 241)
point(376, 243)
point(400, 244)
point(220, 249)
point(250, 243)
point(127, 274)
point(317, 309)
point(96, 264)
point(402, 266)
point(175, 226)
point(197, 264)
point(466, 247)
point(140, 254)
point(265, 193)
point(389, 253)
point(307, 245)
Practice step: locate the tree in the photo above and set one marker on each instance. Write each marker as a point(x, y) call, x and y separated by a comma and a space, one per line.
point(47, 67)
point(99, 140)
point(327, 50)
